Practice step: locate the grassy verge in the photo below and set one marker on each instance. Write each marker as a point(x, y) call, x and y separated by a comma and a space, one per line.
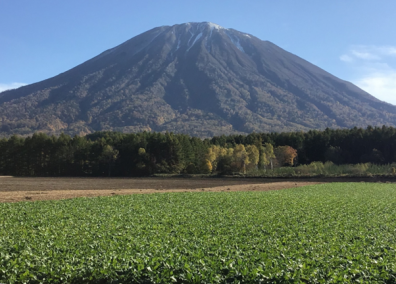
point(330, 233)
point(328, 169)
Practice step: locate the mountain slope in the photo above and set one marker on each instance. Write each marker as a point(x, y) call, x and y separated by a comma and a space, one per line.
point(196, 78)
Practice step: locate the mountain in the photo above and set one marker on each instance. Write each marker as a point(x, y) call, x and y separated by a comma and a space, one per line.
point(195, 78)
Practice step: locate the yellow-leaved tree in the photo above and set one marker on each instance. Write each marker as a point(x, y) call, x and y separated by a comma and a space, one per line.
point(227, 160)
point(241, 157)
point(267, 155)
point(206, 167)
point(215, 154)
point(212, 155)
point(254, 155)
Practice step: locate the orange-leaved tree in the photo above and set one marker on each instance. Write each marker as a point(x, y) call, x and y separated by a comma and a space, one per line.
point(285, 155)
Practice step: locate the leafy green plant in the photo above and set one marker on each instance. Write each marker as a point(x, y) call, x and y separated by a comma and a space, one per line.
point(330, 233)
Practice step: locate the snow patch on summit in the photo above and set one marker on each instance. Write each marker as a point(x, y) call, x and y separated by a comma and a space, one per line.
point(202, 25)
point(214, 26)
point(192, 35)
point(195, 40)
point(178, 44)
point(235, 41)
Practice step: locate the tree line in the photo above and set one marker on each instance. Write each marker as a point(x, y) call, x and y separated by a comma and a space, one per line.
point(146, 153)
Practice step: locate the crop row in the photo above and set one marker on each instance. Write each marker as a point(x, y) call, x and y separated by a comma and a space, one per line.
point(330, 233)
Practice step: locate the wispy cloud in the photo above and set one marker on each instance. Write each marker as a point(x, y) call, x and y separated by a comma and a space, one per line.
point(387, 50)
point(369, 52)
point(365, 55)
point(381, 85)
point(346, 58)
point(9, 86)
point(375, 70)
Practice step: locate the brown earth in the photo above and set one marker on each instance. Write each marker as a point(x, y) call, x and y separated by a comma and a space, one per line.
point(14, 189)
point(32, 189)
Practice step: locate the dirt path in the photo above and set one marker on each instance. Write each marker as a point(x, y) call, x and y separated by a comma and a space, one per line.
point(32, 189)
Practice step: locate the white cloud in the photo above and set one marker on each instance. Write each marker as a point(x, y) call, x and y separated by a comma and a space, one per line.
point(381, 85)
point(387, 50)
point(4, 87)
point(366, 55)
point(346, 58)
point(369, 52)
point(374, 70)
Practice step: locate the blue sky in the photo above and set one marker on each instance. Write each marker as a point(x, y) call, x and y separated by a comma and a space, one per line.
point(354, 40)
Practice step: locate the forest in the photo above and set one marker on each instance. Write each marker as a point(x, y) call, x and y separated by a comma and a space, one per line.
point(148, 153)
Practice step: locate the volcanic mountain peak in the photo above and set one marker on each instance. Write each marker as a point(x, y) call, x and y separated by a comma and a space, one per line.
point(205, 30)
point(202, 25)
point(213, 25)
point(196, 78)
point(182, 37)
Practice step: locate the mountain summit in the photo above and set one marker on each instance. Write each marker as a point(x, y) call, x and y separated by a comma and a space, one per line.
point(196, 78)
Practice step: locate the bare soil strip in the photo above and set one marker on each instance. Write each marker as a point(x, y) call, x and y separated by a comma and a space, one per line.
point(33, 189)
point(15, 189)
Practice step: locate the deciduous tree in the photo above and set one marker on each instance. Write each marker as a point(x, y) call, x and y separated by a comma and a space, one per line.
point(285, 155)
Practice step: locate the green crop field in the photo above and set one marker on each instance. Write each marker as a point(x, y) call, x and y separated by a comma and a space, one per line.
point(330, 233)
